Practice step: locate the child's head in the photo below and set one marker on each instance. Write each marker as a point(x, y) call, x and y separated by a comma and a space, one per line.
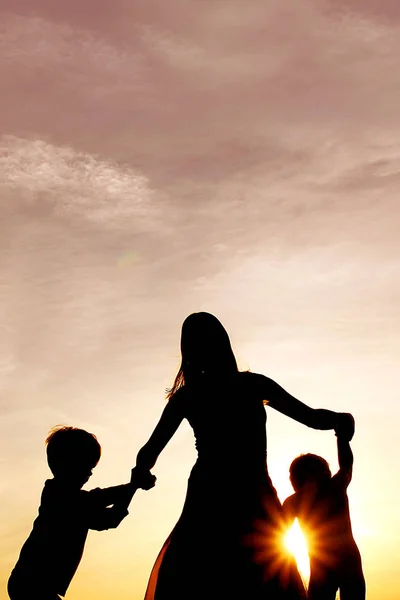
point(309, 468)
point(72, 453)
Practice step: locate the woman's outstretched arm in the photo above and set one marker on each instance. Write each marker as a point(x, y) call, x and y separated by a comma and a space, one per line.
point(285, 403)
point(169, 422)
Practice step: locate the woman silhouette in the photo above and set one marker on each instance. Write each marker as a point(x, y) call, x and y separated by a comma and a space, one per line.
point(227, 543)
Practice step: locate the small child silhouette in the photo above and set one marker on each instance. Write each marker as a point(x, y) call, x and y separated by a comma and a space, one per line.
point(54, 548)
point(322, 508)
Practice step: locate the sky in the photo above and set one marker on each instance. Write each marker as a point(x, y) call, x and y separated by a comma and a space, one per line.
point(240, 157)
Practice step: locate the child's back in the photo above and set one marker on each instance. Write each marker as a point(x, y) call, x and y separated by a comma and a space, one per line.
point(51, 554)
point(53, 550)
point(325, 519)
point(322, 508)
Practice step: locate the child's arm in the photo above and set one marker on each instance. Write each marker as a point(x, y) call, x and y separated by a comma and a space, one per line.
point(124, 493)
point(345, 458)
point(344, 433)
point(101, 518)
point(104, 497)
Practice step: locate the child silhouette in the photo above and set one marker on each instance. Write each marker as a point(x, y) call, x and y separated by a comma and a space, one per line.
point(322, 508)
point(54, 548)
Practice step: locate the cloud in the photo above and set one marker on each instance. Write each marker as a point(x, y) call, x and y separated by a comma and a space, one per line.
point(74, 184)
point(199, 90)
point(376, 10)
point(42, 46)
point(158, 148)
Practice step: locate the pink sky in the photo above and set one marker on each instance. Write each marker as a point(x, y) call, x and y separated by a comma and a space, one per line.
point(237, 156)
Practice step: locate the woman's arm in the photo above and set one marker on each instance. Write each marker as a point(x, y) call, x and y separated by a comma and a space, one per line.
point(285, 403)
point(169, 422)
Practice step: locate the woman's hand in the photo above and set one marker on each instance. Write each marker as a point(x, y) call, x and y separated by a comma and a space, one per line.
point(142, 478)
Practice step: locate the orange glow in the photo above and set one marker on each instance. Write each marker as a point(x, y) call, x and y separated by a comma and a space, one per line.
point(296, 544)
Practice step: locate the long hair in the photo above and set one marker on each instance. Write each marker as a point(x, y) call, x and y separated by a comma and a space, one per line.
point(206, 351)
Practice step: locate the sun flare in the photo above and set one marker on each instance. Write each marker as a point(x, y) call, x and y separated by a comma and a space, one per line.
point(296, 544)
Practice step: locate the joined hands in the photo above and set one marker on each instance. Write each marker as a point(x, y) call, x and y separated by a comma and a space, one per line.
point(345, 426)
point(142, 478)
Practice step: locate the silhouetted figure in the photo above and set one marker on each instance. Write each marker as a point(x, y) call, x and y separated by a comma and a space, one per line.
point(53, 550)
point(322, 508)
point(227, 544)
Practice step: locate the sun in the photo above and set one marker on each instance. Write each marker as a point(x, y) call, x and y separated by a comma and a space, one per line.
point(296, 544)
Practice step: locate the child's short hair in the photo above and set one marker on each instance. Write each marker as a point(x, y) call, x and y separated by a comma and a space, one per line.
point(69, 447)
point(308, 467)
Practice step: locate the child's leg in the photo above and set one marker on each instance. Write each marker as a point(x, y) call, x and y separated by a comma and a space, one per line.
point(322, 587)
point(19, 591)
point(353, 588)
point(29, 594)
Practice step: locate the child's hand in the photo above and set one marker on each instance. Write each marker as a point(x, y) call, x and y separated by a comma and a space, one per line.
point(345, 426)
point(142, 478)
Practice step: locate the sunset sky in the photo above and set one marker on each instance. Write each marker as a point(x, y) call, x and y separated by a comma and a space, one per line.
point(159, 158)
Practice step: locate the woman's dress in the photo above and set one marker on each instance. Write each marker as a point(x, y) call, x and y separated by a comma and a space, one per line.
point(227, 543)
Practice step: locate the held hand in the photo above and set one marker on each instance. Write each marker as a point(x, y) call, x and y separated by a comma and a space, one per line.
point(345, 426)
point(142, 478)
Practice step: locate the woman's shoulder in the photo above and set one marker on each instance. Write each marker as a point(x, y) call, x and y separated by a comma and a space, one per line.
point(257, 380)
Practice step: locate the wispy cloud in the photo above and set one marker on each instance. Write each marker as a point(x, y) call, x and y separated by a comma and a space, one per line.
point(74, 183)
